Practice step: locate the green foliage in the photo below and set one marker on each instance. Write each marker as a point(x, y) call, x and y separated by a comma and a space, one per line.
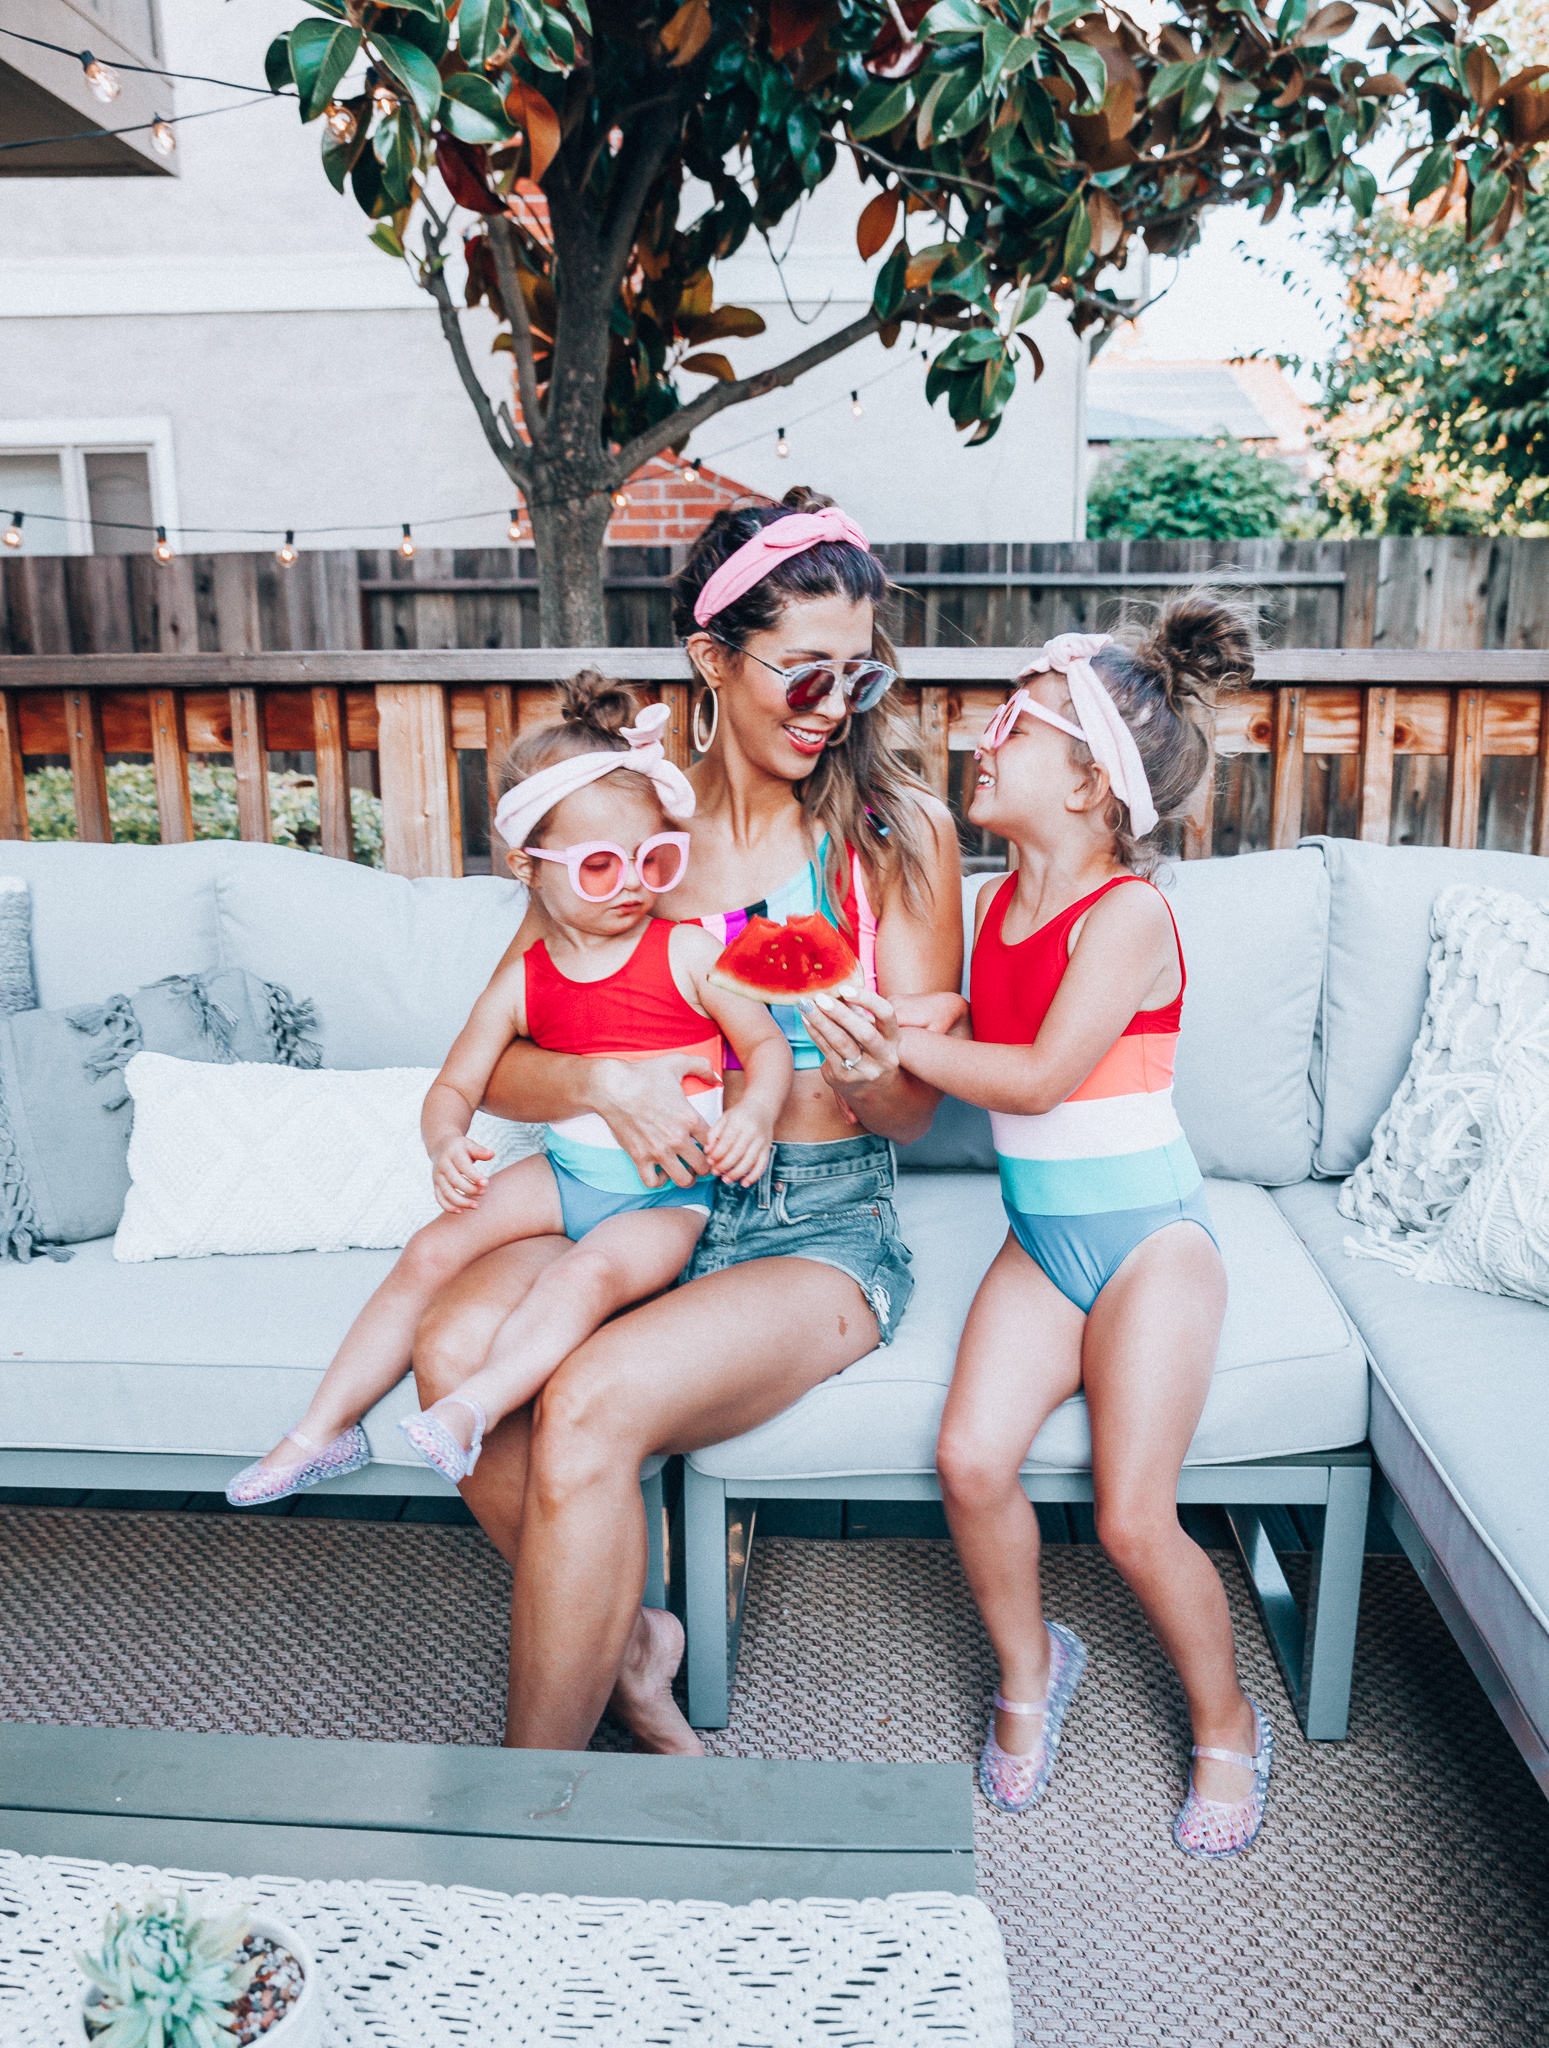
point(1043, 134)
point(1190, 490)
point(213, 789)
point(1437, 405)
point(167, 1979)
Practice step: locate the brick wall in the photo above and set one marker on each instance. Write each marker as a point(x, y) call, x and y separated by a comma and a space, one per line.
point(663, 507)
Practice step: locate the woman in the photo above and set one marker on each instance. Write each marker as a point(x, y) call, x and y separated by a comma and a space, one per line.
point(802, 803)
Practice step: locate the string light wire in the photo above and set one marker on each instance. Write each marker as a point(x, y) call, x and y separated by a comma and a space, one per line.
point(138, 127)
point(151, 70)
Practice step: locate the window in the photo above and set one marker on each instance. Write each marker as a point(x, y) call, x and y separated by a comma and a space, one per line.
point(85, 486)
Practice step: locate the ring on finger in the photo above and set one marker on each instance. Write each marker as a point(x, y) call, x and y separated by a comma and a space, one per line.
point(849, 1065)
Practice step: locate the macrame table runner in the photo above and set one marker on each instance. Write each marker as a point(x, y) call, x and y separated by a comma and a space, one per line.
point(427, 1966)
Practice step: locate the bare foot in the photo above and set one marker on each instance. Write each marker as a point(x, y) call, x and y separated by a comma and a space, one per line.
point(642, 1698)
point(1227, 1783)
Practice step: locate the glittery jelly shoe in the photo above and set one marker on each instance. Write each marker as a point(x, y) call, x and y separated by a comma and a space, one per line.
point(436, 1443)
point(1014, 1783)
point(257, 1484)
point(1215, 1829)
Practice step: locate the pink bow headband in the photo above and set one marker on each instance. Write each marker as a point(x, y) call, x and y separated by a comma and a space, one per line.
point(1099, 724)
point(523, 807)
point(753, 561)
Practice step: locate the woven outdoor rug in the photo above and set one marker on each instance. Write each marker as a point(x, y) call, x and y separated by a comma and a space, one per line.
point(1399, 1893)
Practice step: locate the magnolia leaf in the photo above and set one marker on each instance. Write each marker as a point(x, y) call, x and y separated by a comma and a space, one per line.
point(1360, 188)
point(1078, 241)
point(740, 322)
point(1107, 223)
point(1295, 86)
point(1444, 10)
point(876, 224)
point(923, 266)
point(1035, 352)
point(1327, 23)
point(414, 71)
point(1435, 171)
point(687, 33)
point(1489, 195)
point(465, 173)
point(927, 114)
point(1089, 67)
point(1381, 85)
point(878, 112)
point(791, 23)
point(531, 112)
point(385, 237)
point(710, 365)
point(1528, 113)
point(479, 23)
point(277, 64)
point(954, 18)
point(891, 287)
point(471, 109)
point(1484, 78)
point(396, 145)
point(320, 54)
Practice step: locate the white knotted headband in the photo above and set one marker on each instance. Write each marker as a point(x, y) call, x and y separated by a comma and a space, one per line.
point(521, 809)
point(1097, 719)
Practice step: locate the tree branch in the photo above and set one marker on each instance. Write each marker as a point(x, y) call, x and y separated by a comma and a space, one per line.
point(678, 426)
point(521, 330)
point(513, 456)
point(632, 187)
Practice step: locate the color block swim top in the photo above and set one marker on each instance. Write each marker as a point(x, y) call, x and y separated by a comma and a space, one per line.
point(635, 1014)
point(1114, 1142)
point(806, 893)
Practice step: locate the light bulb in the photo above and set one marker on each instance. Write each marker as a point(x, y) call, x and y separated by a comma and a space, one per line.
point(691, 469)
point(163, 550)
point(13, 533)
point(857, 410)
point(105, 85)
point(341, 123)
point(514, 530)
point(286, 555)
point(406, 546)
point(621, 499)
point(782, 446)
point(163, 141)
point(385, 101)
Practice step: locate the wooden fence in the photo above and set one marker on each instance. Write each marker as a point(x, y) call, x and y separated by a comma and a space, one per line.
point(1447, 747)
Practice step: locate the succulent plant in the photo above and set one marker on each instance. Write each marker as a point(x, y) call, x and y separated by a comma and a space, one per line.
point(166, 1978)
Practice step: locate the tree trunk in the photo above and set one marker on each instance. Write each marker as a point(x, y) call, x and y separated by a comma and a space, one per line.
point(567, 537)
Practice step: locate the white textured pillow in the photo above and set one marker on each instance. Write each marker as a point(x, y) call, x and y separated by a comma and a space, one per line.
point(1497, 1236)
point(1489, 991)
point(274, 1159)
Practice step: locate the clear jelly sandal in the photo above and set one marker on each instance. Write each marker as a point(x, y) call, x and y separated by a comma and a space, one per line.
point(1014, 1783)
point(1217, 1828)
point(258, 1484)
point(436, 1443)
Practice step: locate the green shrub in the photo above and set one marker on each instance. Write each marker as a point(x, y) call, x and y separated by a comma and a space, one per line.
point(1190, 490)
point(132, 807)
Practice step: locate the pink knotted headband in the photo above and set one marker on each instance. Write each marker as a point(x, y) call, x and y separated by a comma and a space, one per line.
point(753, 561)
point(1098, 720)
point(523, 807)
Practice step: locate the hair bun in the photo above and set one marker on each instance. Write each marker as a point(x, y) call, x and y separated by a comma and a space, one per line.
point(596, 703)
point(1200, 643)
point(800, 499)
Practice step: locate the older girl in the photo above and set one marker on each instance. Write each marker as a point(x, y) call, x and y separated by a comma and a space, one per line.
point(1110, 1280)
point(803, 802)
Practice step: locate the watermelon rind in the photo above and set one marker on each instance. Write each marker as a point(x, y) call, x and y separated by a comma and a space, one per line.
point(852, 984)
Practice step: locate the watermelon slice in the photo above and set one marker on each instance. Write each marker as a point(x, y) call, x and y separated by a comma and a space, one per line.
point(776, 963)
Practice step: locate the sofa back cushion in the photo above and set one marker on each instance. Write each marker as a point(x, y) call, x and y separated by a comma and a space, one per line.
point(1254, 931)
point(1375, 980)
point(106, 918)
point(392, 965)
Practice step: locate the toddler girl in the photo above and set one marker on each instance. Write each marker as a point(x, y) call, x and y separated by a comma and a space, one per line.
point(1110, 1280)
point(595, 972)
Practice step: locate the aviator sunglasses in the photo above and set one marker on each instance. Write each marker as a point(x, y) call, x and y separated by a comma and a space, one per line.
point(599, 870)
point(862, 684)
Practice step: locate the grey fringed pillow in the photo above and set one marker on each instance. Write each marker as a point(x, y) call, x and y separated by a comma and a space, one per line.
point(16, 988)
point(65, 1113)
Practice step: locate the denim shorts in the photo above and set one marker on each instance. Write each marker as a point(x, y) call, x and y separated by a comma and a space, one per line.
point(832, 1203)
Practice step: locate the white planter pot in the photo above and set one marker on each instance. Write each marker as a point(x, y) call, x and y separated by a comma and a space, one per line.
point(302, 2026)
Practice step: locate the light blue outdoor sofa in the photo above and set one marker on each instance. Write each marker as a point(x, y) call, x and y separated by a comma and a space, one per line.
point(1307, 976)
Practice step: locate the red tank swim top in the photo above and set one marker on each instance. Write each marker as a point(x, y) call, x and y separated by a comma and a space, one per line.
point(1011, 987)
point(633, 1014)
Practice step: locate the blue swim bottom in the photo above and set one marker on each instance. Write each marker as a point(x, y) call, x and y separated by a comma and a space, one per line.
point(584, 1207)
point(1081, 1254)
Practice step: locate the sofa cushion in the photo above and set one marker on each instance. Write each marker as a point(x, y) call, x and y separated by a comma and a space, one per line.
point(1254, 929)
point(17, 991)
point(106, 918)
point(1460, 1426)
point(1290, 1376)
point(1375, 979)
point(393, 965)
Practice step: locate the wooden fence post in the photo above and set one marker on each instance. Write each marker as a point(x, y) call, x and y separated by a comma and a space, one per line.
point(421, 814)
point(1289, 763)
point(675, 739)
point(250, 758)
point(169, 754)
point(935, 717)
point(1375, 812)
point(88, 769)
point(1466, 765)
point(13, 781)
point(329, 744)
point(499, 732)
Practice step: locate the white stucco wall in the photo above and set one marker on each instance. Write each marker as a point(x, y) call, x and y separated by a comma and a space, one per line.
point(304, 380)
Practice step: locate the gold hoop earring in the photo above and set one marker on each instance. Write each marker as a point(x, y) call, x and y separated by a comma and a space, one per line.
point(704, 741)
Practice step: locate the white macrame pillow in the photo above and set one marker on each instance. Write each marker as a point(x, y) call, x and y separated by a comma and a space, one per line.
point(1489, 992)
point(1497, 1237)
point(275, 1159)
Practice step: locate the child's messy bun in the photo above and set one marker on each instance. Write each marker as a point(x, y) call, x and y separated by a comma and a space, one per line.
point(1198, 645)
point(593, 710)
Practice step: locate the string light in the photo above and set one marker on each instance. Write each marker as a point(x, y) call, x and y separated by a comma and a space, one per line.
point(406, 546)
point(341, 123)
point(621, 499)
point(13, 533)
point(514, 530)
point(385, 101)
point(691, 469)
point(782, 446)
point(857, 410)
point(105, 85)
point(163, 550)
point(285, 555)
point(163, 141)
